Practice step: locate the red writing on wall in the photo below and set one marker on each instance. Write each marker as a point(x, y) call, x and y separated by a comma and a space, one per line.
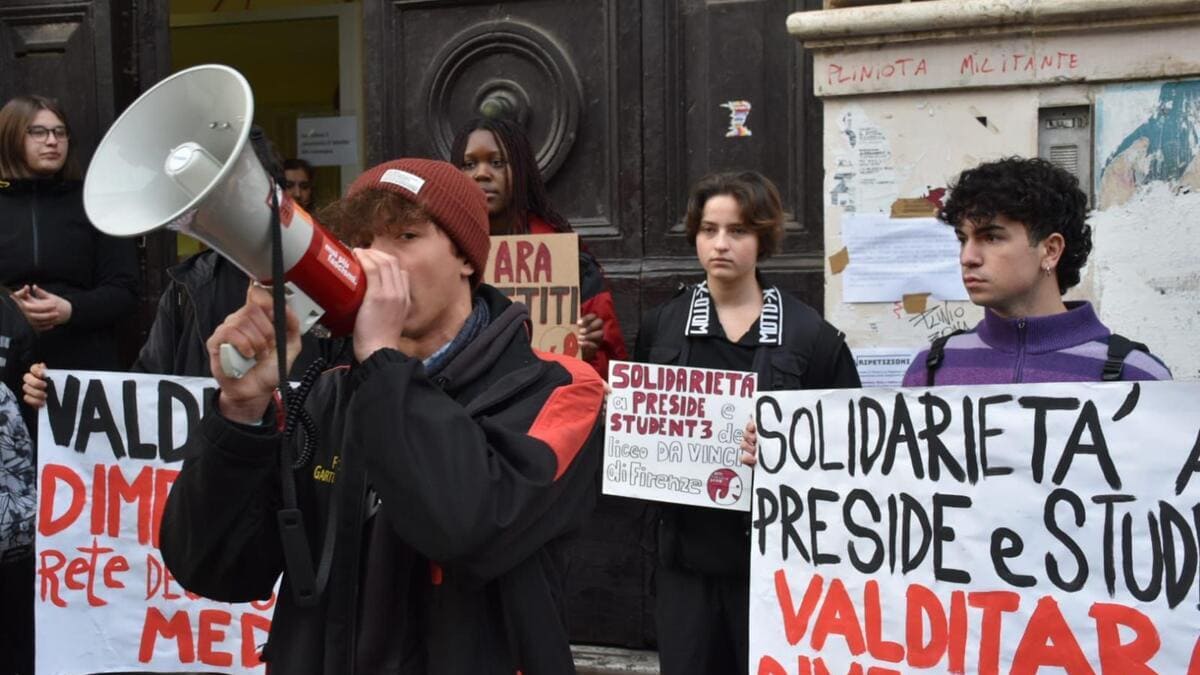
point(974, 64)
point(837, 73)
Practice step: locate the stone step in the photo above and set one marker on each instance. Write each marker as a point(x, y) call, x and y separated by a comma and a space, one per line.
point(591, 660)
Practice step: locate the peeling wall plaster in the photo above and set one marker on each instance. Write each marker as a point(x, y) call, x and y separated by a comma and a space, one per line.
point(1144, 274)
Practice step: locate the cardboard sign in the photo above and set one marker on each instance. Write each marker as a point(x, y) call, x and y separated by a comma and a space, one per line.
point(109, 448)
point(673, 435)
point(542, 271)
point(987, 529)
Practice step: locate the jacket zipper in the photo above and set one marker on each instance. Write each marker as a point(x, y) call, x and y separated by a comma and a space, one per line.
point(187, 294)
point(1020, 350)
point(34, 225)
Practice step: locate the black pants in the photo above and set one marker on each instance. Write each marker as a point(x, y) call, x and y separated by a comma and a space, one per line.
point(703, 623)
point(16, 617)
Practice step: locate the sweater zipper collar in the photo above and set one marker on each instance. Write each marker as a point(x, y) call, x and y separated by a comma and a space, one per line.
point(1021, 336)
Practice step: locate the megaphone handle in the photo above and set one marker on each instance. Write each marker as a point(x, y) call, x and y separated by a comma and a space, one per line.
point(306, 310)
point(233, 363)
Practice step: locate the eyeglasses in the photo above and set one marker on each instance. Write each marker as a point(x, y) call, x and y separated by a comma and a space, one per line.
point(40, 133)
point(303, 185)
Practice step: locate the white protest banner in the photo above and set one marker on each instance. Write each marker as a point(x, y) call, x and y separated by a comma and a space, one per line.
point(542, 271)
point(997, 529)
point(109, 447)
point(673, 434)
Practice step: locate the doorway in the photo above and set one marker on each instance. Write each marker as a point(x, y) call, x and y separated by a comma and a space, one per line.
point(303, 62)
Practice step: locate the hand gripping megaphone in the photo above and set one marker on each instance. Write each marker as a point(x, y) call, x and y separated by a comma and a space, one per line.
point(180, 157)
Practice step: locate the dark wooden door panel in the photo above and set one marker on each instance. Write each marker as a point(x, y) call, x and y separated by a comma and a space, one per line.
point(719, 56)
point(62, 50)
point(557, 66)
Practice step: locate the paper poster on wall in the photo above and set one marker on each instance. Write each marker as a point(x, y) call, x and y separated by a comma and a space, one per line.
point(673, 434)
point(894, 257)
point(882, 366)
point(863, 176)
point(991, 529)
point(109, 448)
point(327, 141)
point(542, 271)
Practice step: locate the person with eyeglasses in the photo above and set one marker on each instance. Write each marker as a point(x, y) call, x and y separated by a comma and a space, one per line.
point(71, 283)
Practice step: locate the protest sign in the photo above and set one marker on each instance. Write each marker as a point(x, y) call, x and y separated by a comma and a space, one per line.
point(977, 529)
point(673, 434)
point(109, 448)
point(542, 271)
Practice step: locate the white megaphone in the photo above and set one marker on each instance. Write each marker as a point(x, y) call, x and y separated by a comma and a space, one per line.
point(180, 157)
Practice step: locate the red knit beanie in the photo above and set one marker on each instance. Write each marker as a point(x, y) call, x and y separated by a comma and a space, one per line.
point(454, 202)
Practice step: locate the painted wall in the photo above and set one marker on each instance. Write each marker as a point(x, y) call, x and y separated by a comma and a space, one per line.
point(1144, 274)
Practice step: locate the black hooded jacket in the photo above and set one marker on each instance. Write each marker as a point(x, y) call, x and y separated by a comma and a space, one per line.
point(457, 568)
point(47, 240)
point(204, 289)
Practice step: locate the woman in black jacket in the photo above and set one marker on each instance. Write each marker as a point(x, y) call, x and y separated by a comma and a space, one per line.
point(72, 283)
point(733, 320)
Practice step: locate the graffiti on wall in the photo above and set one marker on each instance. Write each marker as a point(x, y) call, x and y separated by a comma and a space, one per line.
point(1147, 133)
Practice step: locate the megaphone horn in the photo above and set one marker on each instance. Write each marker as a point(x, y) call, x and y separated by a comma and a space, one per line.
point(180, 157)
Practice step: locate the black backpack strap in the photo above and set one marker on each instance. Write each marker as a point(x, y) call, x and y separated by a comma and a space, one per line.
point(1119, 347)
point(937, 352)
point(823, 362)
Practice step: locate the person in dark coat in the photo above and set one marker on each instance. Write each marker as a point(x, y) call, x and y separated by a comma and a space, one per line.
point(69, 285)
point(204, 289)
point(72, 283)
point(733, 320)
point(449, 464)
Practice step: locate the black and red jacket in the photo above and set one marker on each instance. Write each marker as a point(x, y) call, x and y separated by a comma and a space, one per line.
point(457, 566)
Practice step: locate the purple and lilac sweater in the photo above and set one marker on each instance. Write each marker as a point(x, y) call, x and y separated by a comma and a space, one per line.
point(1067, 347)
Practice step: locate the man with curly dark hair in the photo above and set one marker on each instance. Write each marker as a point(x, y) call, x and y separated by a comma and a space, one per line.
point(1022, 227)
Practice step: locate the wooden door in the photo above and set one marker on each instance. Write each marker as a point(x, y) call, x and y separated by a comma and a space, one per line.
point(627, 102)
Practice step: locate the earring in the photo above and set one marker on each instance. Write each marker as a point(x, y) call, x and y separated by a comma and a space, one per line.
point(1048, 270)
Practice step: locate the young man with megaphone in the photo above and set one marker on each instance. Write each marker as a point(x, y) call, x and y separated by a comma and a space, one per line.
point(450, 461)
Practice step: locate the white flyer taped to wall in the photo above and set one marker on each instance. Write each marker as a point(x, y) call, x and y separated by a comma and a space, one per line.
point(892, 257)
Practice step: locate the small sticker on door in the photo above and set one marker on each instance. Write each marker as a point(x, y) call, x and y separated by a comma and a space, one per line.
point(738, 112)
